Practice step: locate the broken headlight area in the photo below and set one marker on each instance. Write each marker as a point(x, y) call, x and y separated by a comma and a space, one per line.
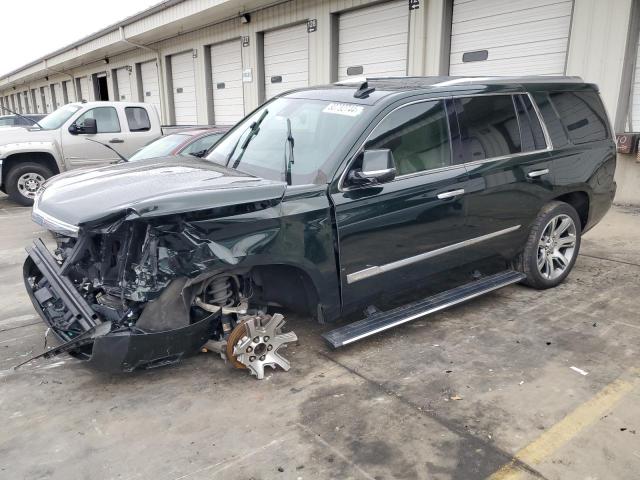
point(141, 296)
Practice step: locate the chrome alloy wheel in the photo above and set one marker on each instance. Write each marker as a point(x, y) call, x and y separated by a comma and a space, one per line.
point(556, 246)
point(29, 184)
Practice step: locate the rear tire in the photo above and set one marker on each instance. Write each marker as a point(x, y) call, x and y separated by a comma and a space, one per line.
point(24, 180)
point(552, 246)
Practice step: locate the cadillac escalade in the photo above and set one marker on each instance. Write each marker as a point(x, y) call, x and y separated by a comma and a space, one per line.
point(325, 200)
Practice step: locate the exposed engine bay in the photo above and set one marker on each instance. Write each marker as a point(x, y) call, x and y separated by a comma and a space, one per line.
point(134, 294)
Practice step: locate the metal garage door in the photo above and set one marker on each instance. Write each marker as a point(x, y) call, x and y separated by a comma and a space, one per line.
point(286, 59)
point(226, 80)
point(25, 102)
point(373, 41)
point(48, 104)
point(183, 77)
point(57, 91)
point(510, 37)
point(123, 80)
point(150, 88)
point(634, 113)
point(84, 88)
point(35, 96)
point(67, 92)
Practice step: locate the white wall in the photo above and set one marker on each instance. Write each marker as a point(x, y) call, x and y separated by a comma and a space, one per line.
point(597, 47)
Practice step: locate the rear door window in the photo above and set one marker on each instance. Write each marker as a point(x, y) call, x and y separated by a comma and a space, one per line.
point(488, 128)
point(557, 132)
point(530, 129)
point(138, 119)
point(582, 115)
point(417, 135)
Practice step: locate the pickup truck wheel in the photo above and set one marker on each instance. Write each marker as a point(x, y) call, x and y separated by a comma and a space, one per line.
point(24, 180)
point(552, 246)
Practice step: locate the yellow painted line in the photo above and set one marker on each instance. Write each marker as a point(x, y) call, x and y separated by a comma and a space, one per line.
point(566, 429)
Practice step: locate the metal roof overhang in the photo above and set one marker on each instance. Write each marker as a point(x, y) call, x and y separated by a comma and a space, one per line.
point(160, 22)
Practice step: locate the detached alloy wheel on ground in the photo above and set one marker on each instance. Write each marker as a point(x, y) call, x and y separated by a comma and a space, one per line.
point(24, 180)
point(552, 246)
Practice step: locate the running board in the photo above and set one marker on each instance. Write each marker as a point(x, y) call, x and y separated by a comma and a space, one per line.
point(381, 321)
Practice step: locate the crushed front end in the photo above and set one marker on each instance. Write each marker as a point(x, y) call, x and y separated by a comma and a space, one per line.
point(140, 294)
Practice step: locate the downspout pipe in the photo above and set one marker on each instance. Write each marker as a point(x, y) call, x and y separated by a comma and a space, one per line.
point(163, 100)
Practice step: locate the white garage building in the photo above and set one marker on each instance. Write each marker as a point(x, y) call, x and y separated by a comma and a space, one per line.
point(212, 61)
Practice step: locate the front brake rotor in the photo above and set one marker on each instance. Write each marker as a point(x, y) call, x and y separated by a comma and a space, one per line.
point(234, 338)
point(259, 345)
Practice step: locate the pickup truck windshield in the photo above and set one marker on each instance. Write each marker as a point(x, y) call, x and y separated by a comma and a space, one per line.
point(56, 119)
point(317, 127)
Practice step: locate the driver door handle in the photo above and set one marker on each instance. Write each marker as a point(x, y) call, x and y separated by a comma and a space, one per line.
point(451, 193)
point(538, 173)
point(116, 140)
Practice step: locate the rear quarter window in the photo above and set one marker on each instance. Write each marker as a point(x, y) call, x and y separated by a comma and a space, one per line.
point(137, 119)
point(582, 115)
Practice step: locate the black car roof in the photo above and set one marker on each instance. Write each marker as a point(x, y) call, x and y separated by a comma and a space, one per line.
point(368, 91)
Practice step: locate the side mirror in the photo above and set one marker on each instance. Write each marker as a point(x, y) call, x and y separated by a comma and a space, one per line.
point(89, 127)
point(378, 166)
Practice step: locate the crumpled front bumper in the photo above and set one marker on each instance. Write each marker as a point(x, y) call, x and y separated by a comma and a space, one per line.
point(106, 350)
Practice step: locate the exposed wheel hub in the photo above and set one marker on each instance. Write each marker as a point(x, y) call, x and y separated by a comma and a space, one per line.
point(259, 343)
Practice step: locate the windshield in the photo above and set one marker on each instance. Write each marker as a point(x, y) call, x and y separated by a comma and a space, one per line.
point(56, 119)
point(317, 128)
point(161, 147)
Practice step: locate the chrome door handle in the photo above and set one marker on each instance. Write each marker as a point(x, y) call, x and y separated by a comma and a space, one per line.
point(450, 193)
point(538, 173)
point(116, 140)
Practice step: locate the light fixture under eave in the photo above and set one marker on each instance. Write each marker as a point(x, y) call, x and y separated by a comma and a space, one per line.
point(245, 18)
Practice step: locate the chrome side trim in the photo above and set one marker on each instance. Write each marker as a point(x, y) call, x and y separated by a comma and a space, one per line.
point(377, 270)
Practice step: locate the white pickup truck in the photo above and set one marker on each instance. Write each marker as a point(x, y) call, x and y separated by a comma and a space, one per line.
point(62, 141)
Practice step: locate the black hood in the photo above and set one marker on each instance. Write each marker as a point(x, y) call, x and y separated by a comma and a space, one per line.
point(149, 188)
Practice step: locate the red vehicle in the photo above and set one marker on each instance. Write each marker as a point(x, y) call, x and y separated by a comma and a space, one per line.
point(194, 142)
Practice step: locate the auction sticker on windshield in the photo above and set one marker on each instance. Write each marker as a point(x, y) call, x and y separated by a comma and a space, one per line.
point(343, 109)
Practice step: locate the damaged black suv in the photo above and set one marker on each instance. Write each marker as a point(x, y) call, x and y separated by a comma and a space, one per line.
point(324, 200)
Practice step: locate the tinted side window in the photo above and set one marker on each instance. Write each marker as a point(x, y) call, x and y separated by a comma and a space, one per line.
point(106, 119)
point(488, 128)
point(138, 119)
point(530, 128)
point(582, 114)
point(417, 135)
point(557, 133)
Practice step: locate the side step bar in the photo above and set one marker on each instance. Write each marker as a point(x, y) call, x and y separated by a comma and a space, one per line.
point(381, 321)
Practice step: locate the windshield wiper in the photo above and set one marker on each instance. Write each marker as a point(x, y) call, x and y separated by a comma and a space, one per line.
point(288, 153)
point(122, 158)
point(22, 116)
point(253, 131)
